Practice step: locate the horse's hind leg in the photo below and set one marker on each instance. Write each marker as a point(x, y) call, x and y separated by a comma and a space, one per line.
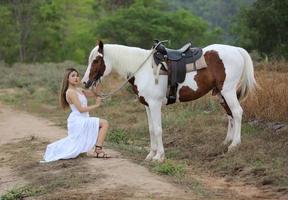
point(153, 145)
point(236, 111)
point(230, 131)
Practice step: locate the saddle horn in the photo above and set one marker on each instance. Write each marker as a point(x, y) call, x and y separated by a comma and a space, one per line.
point(158, 45)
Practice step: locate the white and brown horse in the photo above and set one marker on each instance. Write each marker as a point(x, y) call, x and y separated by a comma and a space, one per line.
point(230, 76)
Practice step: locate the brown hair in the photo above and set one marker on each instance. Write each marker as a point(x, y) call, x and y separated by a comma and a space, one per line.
point(62, 97)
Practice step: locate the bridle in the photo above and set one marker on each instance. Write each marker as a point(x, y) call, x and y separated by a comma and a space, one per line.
point(104, 96)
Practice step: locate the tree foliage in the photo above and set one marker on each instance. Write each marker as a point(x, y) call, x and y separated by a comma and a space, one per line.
point(46, 30)
point(57, 30)
point(219, 13)
point(146, 20)
point(264, 27)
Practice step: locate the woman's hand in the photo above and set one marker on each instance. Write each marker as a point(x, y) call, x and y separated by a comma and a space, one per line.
point(98, 101)
point(98, 88)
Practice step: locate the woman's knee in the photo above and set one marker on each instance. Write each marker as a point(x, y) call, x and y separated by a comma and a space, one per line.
point(104, 123)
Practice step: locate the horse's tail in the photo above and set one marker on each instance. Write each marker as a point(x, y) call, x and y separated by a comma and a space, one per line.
point(247, 82)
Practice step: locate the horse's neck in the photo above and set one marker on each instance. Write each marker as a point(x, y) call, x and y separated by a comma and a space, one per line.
point(125, 60)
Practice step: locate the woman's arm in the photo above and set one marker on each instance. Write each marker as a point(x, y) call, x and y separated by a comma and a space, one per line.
point(74, 99)
point(90, 93)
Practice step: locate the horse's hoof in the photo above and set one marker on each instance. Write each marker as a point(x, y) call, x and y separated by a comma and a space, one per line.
point(226, 142)
point(232, 148)
point(158, 158)
point(150, 156)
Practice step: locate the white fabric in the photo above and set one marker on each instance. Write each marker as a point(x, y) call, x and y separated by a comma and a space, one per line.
point(82, 135)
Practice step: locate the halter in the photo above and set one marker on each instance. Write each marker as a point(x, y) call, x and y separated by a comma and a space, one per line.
point(104, 96)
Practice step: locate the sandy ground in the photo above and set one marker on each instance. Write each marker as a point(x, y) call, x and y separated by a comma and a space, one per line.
point(118, 174)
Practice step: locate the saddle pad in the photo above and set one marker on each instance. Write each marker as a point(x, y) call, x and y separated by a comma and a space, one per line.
point(200, 64)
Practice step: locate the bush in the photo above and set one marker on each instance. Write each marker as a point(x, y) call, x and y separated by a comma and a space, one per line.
point(118, 136)
point(19, 193)
point(169, 168)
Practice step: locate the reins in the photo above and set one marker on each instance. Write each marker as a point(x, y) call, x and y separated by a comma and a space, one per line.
point(104, 96)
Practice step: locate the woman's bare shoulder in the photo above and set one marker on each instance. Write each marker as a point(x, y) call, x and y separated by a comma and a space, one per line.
point(80, 89)
point(70, 92)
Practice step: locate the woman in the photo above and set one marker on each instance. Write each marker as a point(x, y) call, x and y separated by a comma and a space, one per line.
point(84, 132)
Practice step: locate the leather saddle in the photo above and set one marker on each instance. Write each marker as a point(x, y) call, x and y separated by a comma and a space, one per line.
point(176, 61)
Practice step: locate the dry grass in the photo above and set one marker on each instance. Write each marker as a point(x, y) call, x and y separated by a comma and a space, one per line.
point(270, 101)
point(192, 131)
point(274, 65)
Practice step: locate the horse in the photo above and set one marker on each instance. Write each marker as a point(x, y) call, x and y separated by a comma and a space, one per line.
point(229, 74)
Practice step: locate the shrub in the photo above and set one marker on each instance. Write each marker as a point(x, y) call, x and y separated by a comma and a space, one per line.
point(118, 136)
point(169, 168)
point(19, 193)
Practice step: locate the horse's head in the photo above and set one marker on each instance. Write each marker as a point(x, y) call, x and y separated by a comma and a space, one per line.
point(96, 66)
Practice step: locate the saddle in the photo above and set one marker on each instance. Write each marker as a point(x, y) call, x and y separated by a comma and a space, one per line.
point(174, 62)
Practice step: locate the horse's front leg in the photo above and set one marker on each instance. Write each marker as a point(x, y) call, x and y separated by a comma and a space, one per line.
point(153, 145)
point(155, 111)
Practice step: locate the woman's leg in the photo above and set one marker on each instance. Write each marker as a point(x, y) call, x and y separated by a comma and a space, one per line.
point(103, 128)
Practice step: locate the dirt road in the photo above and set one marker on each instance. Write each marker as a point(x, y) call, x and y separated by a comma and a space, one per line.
point(90, 178)
point(120, 174)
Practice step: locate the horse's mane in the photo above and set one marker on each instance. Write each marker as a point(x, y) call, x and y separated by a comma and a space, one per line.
point(124, 59)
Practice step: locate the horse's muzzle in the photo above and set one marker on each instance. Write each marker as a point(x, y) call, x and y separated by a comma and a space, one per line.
point(88, 84)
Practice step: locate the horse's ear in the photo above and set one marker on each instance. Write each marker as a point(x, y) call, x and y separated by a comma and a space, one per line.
point(100, 44)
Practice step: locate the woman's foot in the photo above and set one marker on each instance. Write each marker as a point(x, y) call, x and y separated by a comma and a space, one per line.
point(99, 153)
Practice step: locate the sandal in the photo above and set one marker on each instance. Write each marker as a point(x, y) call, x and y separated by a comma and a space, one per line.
point(100, 153)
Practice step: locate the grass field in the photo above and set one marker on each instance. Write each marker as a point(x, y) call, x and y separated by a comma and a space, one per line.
point(192, 132)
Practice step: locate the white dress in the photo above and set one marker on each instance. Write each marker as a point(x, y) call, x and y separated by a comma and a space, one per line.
point(82, 135)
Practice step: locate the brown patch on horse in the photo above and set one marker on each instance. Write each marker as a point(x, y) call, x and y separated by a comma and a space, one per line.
point(209, 78)
point(134, 87)
point(98, 65)
point(216, 68)
point(135, 90)
point(97, 68)
point(143, 101)
point(204, 81)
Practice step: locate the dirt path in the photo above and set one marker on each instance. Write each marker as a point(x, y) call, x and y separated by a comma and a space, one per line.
point(119, 173)
point(116, 178)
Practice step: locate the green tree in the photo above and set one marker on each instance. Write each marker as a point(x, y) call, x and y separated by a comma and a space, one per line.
point(264, 27)
point(111, 5)
point(46, 30)
point(219, 13)
point(57, 30)
point(146, 20)
point(8, 35)
point(17, 21)
point(29, 29)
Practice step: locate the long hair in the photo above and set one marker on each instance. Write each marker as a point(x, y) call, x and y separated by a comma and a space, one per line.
point(65, 84)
